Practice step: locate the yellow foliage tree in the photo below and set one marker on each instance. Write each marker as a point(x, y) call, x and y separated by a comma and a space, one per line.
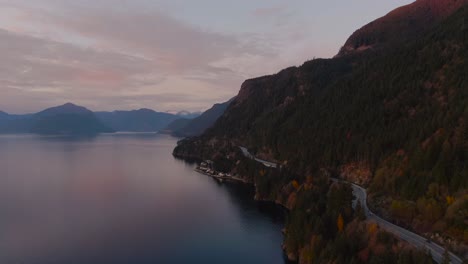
point(450, 200)
point(340, 223)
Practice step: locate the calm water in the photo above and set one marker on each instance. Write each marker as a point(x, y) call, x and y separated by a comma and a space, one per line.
point(123, 199)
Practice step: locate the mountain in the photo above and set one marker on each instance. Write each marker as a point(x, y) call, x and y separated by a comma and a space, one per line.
point(71, 119)
point(67, 119)
point(3, 118)
point(176, 125)
point(64, 119)
point(198, 125)
point(392, 118)
point(67, 108)
point(11, 124)
point(142, 120)
point(3, 115)
point(401, 24)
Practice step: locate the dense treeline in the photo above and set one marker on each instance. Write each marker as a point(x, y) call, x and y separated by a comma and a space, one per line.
point(322, 226)
point(399, 114)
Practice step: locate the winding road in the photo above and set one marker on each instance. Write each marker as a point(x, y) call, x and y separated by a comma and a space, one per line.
point(247, 154)
point(360, 194)
point(436, 250)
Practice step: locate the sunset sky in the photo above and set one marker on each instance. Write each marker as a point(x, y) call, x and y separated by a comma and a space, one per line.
point(168, 55)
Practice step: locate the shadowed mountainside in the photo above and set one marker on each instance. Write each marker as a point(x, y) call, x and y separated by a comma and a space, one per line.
point(401, 24)
point(392, 118)
point(196, 127)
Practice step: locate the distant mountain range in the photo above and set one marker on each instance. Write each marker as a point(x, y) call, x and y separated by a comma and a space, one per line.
point(142, 120)
point(73, 119)
point(195, 127)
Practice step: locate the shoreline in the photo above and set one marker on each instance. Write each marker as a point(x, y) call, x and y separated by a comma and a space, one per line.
point(288, 258)
point(196, 159)
point(222, 178)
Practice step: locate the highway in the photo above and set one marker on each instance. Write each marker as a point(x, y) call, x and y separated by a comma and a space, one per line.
point(360, 194)
point(247, 154)
point(436, 250)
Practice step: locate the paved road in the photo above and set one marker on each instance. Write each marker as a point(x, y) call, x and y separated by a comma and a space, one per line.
point(360, 193)
point(437, 251)
point(247, 154)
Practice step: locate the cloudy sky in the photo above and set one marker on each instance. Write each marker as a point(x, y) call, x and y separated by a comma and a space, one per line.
point(168, 55)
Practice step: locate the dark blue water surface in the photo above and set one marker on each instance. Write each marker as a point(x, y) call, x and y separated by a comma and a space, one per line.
point(123, 198)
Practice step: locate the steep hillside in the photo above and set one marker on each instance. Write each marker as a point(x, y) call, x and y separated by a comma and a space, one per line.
point(393, 119)
point(401, 24)
point(206, 120)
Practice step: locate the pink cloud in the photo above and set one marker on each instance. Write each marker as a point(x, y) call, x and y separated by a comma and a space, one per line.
point(107, 77)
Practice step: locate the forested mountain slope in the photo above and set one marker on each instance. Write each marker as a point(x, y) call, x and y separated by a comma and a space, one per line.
point(393, 119)
point(401, 24)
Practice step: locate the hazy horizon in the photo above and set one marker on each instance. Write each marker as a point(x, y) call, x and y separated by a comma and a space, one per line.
point(175, 112)
point(163, 55)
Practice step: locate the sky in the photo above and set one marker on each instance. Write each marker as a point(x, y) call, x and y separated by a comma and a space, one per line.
point(167, 55)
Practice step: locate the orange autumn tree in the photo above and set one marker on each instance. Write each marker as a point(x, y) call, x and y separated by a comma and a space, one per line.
point(340, 223)
point(295, 184)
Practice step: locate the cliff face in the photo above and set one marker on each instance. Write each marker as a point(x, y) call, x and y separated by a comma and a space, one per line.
point(401, 24)
point(393, 118)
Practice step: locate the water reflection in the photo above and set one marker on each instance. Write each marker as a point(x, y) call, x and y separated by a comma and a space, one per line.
point(123, 198)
